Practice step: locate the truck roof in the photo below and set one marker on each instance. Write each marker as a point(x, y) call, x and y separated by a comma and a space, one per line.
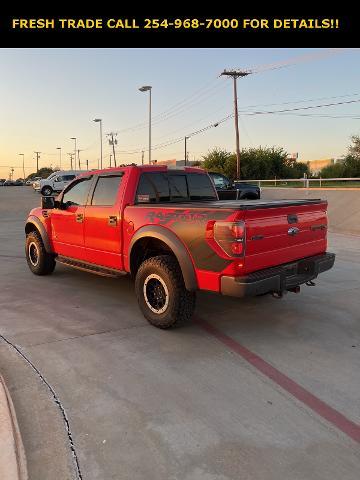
point(147, 168)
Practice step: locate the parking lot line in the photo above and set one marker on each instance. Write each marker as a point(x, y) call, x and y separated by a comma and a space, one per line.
point(324, 410)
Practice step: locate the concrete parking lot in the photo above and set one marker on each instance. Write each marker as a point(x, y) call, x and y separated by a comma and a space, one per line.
point(253, 389)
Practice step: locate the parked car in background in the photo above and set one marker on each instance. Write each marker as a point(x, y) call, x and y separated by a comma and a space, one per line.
point(55, 182)
point(9, 183)
point(2, 181)
point(18, 183)
point(228, 190)
point(31, 181)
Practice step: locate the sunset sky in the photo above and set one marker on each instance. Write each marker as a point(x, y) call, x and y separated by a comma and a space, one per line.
point(48, 96)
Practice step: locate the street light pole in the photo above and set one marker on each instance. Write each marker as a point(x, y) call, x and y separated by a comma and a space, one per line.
point(23, 165)
point(148, 88)
point(149, 126)
point(99, 120)
point(74, 138)
point(59, 148)
point(235, 74)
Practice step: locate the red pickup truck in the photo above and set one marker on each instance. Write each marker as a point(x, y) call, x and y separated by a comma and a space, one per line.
point(167, 228)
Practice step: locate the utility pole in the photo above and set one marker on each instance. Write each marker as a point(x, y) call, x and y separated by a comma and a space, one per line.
point(185, 154)
point(37, 160)
point(113, 142)
point(235, 74)
point(79, 158)
point(110, 161)
point(142, 157)
point(87, 164)
point(71, 160)
point(74, 138)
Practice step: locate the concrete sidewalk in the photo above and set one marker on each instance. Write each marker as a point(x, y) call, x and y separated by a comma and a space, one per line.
point(12, 455)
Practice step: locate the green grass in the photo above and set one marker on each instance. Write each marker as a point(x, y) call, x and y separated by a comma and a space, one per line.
point(313, 184)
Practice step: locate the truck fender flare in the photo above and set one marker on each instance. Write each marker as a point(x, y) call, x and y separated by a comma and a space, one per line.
point(32, 220)
point(177, 247)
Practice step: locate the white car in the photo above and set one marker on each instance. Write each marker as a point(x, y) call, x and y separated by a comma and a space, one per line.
point(55, 182)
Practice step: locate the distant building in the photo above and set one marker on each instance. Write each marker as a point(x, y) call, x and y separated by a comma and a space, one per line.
point(173, 162)
point(315, 166)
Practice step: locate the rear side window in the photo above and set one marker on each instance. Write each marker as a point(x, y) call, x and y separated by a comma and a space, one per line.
point(67, 178)
point(106, 190)
point(153, 187)
point(200, 187)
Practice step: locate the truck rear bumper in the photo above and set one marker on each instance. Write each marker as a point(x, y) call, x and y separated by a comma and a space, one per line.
point(277, 279)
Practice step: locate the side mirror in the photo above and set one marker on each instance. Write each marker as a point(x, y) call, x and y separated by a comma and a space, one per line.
point(48, 203)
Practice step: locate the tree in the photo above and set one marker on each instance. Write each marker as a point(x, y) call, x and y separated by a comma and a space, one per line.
point(255, 163)
point(352, 165)
point(43, 173)
point(354, 149)
point(197, 163)
point(333, 171)
point(216, 160)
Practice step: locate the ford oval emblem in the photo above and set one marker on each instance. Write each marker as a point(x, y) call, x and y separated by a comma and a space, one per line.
point(293, 231)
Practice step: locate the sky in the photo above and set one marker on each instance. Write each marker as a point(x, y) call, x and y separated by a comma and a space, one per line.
point(48, 96)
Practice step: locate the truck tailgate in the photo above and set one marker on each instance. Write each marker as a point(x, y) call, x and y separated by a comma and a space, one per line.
point(279, 234)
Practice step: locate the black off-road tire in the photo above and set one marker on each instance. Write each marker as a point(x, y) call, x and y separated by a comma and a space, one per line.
point(39, 260)
point(47, 191)
point(180, 303)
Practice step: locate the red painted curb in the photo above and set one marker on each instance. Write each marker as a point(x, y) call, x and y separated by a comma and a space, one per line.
point(324, 410)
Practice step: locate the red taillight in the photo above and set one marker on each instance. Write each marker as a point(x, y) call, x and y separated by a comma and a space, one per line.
point(230, 236)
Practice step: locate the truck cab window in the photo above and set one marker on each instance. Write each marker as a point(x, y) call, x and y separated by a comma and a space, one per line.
point(200, 187)
point(153, 188)
point(106, 190)
point(178, 188)
point(220, 181)
point(77, 193)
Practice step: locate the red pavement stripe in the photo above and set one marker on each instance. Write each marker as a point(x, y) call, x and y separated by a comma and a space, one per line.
point(336, 418)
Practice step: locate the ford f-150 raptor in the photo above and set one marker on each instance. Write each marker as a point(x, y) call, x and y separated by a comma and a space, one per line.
point(168, 230)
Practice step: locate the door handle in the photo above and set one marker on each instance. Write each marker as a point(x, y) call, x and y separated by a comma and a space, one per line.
point(80, 217)
point(112, 220)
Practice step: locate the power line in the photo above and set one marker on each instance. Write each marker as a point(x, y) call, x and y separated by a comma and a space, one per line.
point(180, 139)
point(300, 108)
point(307, 57)
point(302, 101)
point(174, 111)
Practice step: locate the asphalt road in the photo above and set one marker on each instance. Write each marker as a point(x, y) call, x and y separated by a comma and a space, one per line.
point(258, 389)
